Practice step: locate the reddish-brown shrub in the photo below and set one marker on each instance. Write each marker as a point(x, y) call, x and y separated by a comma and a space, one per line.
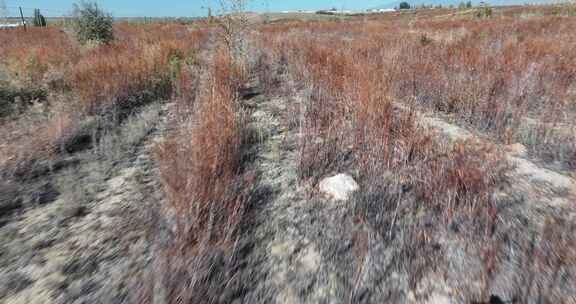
point(27, 56)
point(354, 121)
point(207, 190)
point(142, 65)
point(200, 164)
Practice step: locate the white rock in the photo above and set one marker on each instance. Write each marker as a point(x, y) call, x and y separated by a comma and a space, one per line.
point(437, 298)
point(517, 150)
point(339, 187)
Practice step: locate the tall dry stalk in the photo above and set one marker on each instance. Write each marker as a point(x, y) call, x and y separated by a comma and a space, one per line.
point(233, 26)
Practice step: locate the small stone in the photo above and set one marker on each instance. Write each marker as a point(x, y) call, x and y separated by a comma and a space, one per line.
point(309, 260)
point(259, 114)
point(517, 150)
point(437, 298)
point(339, 187)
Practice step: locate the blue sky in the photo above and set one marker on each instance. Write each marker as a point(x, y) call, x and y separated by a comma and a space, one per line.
point(188, 7)
point(156, 8)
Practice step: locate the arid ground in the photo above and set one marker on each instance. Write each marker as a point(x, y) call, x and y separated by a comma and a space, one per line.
point(418, 156)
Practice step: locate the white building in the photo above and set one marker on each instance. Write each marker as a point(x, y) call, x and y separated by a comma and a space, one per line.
point(381, 10)
point(10, 25)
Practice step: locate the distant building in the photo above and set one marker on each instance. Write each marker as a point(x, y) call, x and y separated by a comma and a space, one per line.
point(11, 25)
point(381, 10)
point(297, 11)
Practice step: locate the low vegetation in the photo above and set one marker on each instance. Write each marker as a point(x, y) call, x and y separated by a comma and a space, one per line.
point(368, 83)
point(356, 95)
point(71, 84)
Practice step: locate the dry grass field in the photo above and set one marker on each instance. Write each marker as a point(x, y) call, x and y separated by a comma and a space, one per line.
point(189, 163)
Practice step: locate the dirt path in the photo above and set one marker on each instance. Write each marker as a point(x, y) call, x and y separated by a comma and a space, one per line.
point(306, 248)
point(91, 241)
point(286, 263)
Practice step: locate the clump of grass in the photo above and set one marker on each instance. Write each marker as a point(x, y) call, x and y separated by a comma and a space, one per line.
point(29, 56)
point(207, 190)
point(203, 160)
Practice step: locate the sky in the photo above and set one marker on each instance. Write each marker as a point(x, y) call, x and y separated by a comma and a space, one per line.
point(187, 8)
point(151, 8)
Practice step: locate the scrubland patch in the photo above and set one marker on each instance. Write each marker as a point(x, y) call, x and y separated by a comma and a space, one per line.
point(435, 117)
point(207, 187)
point(429, 197)
point(97, 86)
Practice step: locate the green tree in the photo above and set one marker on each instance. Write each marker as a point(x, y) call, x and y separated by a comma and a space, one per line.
point(39, 19)
point(469, 4)
point(92, 23)
point(404, 5)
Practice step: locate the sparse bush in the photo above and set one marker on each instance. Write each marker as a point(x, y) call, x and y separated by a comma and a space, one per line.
point(92, 23)
point(207, 190)
point(485, 11)
point(233, 24)
point(13, 101)
point(404, 5)
point(424, 39)
point(108, 82)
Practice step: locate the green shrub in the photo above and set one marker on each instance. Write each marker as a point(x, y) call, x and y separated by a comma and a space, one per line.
point(92, 24)
point(484, 11)
point(404, 5)
point(572, 9)
point(15, 101)
point(425, 40)
point(39, 19)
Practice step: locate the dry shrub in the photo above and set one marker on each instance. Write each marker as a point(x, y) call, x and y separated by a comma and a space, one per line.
point(28, 56)
point(323, 140)
point(415, 183)
point(547, 265)
point(107, 81)
point(462, 178)
point(112, 74)
point(41, 140)
point(510, 78)
point(206, 189)
point(202, 161)
point(145, 61)
point(501, 72)
point(490, 74)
